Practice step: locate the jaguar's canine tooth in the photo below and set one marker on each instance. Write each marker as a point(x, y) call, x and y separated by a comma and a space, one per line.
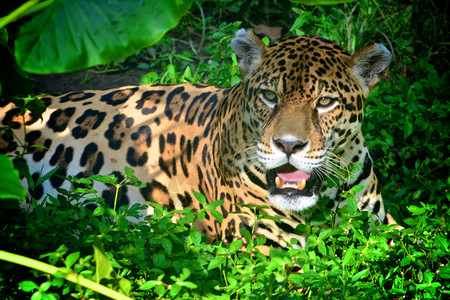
point(279, 182)
point(301, 185)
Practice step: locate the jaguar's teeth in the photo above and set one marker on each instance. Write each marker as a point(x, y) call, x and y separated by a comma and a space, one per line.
point(301, 184)
point(279, 182)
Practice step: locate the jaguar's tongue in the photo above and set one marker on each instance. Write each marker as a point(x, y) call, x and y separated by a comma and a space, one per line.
point(289, 177)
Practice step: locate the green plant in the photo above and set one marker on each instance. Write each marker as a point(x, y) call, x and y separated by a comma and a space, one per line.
point(354, 25)
point(415, 137)
point(219, 67)
point(171, 260)
point(40, 42)
point(61, 274)
point(55, 41)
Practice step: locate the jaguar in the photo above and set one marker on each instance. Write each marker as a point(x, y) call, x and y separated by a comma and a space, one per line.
point(272, 140)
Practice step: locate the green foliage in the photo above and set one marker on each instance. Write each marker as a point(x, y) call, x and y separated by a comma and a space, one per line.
point(218, 67)
point(414, 138)
point(65, 36)
point(89, 40)
point(356, 24)
point(170, 260)
point(59, 275)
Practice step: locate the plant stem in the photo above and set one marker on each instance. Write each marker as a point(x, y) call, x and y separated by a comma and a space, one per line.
point(116, 196)
point(46, 268)
point(200, 46)
point(26, 9)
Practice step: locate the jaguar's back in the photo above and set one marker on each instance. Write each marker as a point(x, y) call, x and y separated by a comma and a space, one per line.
point(156, 130)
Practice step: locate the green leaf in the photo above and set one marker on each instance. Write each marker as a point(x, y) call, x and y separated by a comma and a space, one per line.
point(200, 197)
point(247, 235)
point(158, 209)
point(28, 286)
point(408, 127)
point(187, 284)
point(356, 189)
point(235, 246)
point(214, 205)
point(184, 275)
point(44, 178)
point(104, 271)
point(320, 216)
point(128, 171)
point(72, 258)
point(211, 208)
point(73, 35)
point(415, 210)
point(160, 260)
point(37, 296)
point(428, 275)
point(444, 272)
point(45, 286)
point(187, 75)
point(422, 286)
point(167, 245)
point(175, 289)
point(217, 262)
point(296, 279)
point(217, 215)
point(201, 215)
point(360, 275)
point(122, 222)
point(149, 284)
point(10, 187)
point(442, 242)
point(260, 240)
point(322, 248)
point(411, 96)
point(98, 211)
point(348, 255)
point(24, 171)
point(160, 290)
point(405, 261)
point(33, 104)
point(108, 179)
point(195, 236)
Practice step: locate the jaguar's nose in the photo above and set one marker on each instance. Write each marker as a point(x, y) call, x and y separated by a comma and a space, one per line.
point(290, 145)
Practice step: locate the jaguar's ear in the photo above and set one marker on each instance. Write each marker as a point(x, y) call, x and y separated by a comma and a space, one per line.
point(249, 50)
point(370, 62)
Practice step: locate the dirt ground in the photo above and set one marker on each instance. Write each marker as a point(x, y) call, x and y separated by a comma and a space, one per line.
point(86, 80)
point(97, 79)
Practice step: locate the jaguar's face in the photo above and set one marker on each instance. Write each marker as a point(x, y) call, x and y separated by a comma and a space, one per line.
point(307, 97)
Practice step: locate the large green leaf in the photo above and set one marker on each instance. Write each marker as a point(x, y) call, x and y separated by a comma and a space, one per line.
point(10, 186)
point(72, 35)
point(104, 271)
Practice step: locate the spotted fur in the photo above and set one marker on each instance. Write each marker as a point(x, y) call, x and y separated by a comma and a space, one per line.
point(297, 113)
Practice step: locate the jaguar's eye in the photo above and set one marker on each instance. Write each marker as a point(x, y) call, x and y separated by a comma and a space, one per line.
point(269, 96)
point(325, 102)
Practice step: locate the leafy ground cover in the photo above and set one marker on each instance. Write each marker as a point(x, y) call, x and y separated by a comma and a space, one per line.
point(406, 125)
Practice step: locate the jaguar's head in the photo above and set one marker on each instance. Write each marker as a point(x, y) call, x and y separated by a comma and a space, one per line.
point(304, 96)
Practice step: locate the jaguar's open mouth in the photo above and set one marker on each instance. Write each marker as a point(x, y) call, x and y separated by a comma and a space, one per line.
point(293, 189)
